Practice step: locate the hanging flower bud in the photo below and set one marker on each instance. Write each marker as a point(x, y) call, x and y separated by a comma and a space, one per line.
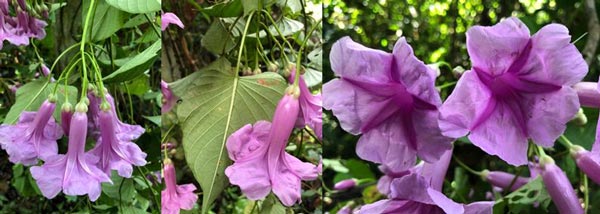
point(66, 113)
point(272, 67)
point(588, 162)
point(175, 197)
point(345, 184)
point(558, 186)
point(588, 94)
point(75, 173)
point(504, 179)
point(34, 136)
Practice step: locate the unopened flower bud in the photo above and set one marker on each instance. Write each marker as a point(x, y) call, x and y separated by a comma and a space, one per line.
point(66, 113)
point(588, 94)
point(345, 184)
point(256, 71)
point(504, 179)
point(458, 71)
point(559, 188)
point(588, 162)
point(272, 67)
point(580, 119)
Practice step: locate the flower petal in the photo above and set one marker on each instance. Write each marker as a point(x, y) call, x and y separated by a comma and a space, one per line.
point(355, 61)
point(549, 114)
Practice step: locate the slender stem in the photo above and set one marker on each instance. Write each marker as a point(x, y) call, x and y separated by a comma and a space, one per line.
point(466, 167)
point(154, 27)
point(299, 57)
point(586, 196)
point(239, 58)
point(566, 141)
point(86, 28)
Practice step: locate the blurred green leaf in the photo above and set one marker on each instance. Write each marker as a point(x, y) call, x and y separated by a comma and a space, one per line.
point(136, 66)
point(136, 6)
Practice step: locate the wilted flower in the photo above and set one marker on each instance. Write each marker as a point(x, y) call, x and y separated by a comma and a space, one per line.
point(388, 98)
point(169, 99)
point(420, 192)
point(559, 187)
point(75, 173)
point(518, 88)
point(260, 161)
point(175, 197)
point(169, 18)
point(311, 110)
point(115, 153)
point(34, 136)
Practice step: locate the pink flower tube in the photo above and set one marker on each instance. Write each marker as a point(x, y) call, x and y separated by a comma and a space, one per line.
point(559, 187)
point(504, 179)
point(588, 162)
point(176, 197)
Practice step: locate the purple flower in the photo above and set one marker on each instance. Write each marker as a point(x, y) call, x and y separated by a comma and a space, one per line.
point(345, 210)
point(420, 192)
point(34, 136)
point(75, 173)
point(559, 187)
point(588, 162)
point(169, 99)
point(345, 184)
point(115, 153)
point(124, 131)
point(514, 90)
point(503, 179)
point(66, 113)
point(588, 94)
point(388, 98)
point(18, 30)
point(311, 110)
point(46, 72)
point(175, 197)
point(260, 161)
point(169, 18)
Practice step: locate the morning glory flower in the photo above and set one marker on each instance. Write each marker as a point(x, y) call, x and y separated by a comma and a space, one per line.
point(311, 110)
point(34, 136)
point(176, 197)
point(260, 161)
point(388, 98)
point(115, 153)
point(169, 18)
point(75, 173)
point(420, 192)
point(124, 131)
point(519, 87)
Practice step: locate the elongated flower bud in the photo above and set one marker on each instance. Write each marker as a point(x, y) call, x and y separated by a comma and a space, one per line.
point(284, 121)
point(504, 179)
point(66, 114)
point(588, 162)
point(559, 187)
point(345, 184)
point(588, 94)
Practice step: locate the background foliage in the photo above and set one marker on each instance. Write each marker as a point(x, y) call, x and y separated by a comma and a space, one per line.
point(436, 31)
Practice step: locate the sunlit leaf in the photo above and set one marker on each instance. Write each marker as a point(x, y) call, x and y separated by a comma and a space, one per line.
point(31, 96)
point(136, 66)
point(136, 6)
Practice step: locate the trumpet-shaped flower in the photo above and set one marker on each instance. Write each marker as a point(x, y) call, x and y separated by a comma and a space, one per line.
point(388, 98)
point(519, 87)
point(115, 153)
point(588, 162)
point(124, 131)
point(169, 18)
point(34, 136)
point(260, 161)
point(420, 192)
point(311, 107)
point(559, 187)
point(176, 197)
point(75, 173)
point(18, 29)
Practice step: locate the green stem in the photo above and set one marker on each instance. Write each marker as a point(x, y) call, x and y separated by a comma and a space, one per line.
point(467, 167)
point(239, 58)
point(299, 57)
point(86, 28)
point(154, 27)
point(565, 141)
point(586, 196)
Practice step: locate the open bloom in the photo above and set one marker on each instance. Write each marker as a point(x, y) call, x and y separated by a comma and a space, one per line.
point(519, 87)
point(169, 99)
point(388, 98)
point(559, 187)
point(420, 192)
point(176, 197)
point(169, 18)
point(34, 136)
point(311, 110)
point(18, 29)
point(115, 153)
point(75, 173)
point(124, 131)
point(261, 163)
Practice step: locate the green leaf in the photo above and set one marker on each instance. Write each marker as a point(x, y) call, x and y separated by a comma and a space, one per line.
point(136, 6)
point(31, 96)
point(139, 86)
point(524, 197)
point(136, 66)
point(215, 103)
point(359, 169)
point(294, 5)
point(121, 188)
point(250, 6)
point(107, 21)
point(272, 206)
point(154, 119)
point(225, 9)
point(285, 25)
point(217, 39)
point(584, 135)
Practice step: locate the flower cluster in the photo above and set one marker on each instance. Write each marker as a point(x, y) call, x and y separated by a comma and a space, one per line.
point(20, 24)
point(520, 87)
point(261, 164)
point(77, 172)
